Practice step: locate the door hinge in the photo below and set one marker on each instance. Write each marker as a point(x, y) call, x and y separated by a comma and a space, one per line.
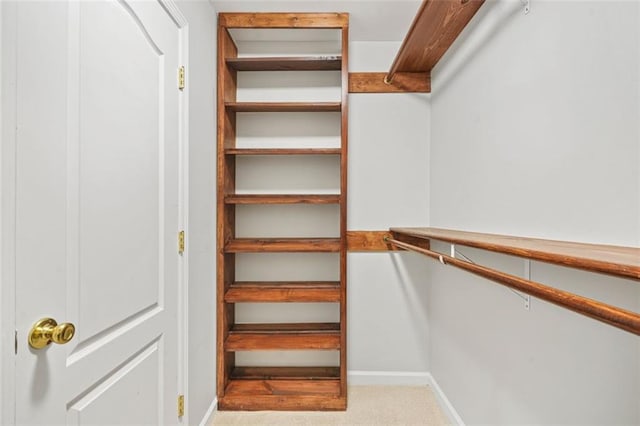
point(181, 78)
point(15, 342)
point(181, 242)
point(180, 405)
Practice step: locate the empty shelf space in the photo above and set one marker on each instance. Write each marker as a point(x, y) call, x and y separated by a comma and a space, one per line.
point(299, 63)
point(296, 336)
point(283, 245)
point(282, 199)
point(287, 291)
point(283, 151)
point(282, 106)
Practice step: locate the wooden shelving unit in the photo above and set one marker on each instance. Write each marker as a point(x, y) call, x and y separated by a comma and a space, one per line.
point(322, 387)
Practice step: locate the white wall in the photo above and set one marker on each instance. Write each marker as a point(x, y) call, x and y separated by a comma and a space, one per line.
point(201, 80)
point(388, 135)
point(535, 132)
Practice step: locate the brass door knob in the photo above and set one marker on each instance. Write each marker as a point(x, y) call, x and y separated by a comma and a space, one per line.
point(47, 330)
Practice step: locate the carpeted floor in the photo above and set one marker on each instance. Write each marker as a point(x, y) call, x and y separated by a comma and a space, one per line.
point(368, 405)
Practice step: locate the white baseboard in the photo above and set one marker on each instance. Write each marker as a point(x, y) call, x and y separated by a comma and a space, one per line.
point(444, 402)
point(389, 378)
point(208, 416)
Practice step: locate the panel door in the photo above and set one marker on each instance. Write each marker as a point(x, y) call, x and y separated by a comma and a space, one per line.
point(97, 218)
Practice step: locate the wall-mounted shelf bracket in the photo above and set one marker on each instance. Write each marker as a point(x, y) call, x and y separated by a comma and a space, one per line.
point(527, 6)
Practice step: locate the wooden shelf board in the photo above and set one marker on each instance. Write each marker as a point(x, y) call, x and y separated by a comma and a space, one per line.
point(282, 106)
point(613, 260)
point(434, 29)
point(283, 151)
point(304, 63)
point(283, 20)
point(283, 245)
point(282, 402)
point(373, 82)
point(294, 336)
point(288, 291)
point(280, 373)
point(282, 199)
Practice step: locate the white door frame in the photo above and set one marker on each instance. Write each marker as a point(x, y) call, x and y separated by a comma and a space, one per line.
point(8, 96)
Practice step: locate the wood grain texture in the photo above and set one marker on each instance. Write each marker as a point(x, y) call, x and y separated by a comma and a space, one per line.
point(283, 20)
point(282, 199)
point(283, 245)
point(307, 63)
point(283, 151)
point(279, 373)
point(344, 169)
point(283, 403)
point(283, 292)
point(617, 317)
point(434, 29)
point(225, 269)
point(373, 82)
point(613, 260)
point(284, 387)
point(297, 336)
point(359, 241)
point(282, 106)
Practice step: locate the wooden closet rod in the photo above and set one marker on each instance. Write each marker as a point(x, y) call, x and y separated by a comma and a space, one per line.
point(612, 315)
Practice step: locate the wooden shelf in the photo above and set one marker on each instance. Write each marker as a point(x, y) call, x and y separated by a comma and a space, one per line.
point(298, 336)
point(282, 106)
point(283, 373)
point(287, 291)
point(283, 245)
point(305, 63)
point(283, 151)
point(613, 260)
point(282, 199)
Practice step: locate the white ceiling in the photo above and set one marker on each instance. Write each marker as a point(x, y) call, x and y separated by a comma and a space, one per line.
point(369, 20)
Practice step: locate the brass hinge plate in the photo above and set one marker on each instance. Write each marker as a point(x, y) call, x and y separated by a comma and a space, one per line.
point(181, 242)
point(181, 78)
point(180, 405)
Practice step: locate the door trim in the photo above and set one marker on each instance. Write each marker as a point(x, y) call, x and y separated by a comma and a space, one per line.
point(8, 122)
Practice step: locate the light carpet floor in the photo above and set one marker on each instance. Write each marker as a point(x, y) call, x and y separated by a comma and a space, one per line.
point(367, 405)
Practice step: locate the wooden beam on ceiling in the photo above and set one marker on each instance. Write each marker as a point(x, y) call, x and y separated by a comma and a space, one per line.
point(434, 29)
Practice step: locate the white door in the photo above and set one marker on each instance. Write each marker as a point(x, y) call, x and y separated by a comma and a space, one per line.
point(97, 199)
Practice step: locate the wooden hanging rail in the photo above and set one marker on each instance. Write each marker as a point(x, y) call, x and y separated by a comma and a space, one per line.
point(612, 315)
point(434, 29)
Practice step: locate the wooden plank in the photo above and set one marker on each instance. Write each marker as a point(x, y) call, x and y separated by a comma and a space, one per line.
point(282, 106)
point(283, 402)
point(282, 199)
point(308, 63)
point(283, 292)
point(284, 387)
point(283, 245)
point(368, 241)
point(373, 82)
point(279, 373)
point(298, 336)
point(344, 169)
point(283, 151)
point(612, 315)
point(226, 138)
point(613, 260)
point(283, 20)
point(434, 29)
